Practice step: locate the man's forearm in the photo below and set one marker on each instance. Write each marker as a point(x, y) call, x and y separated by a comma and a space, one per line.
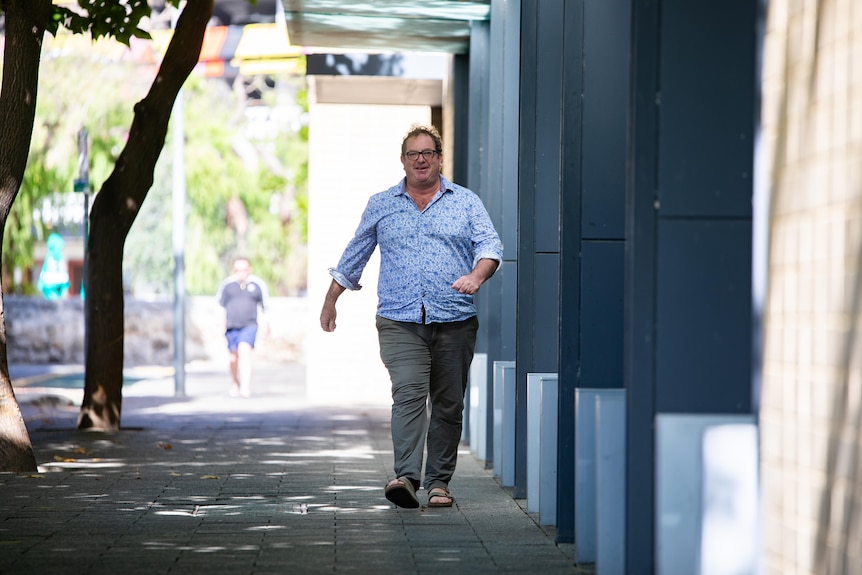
point(485, 268)
point(328, 312)
point(335, 290)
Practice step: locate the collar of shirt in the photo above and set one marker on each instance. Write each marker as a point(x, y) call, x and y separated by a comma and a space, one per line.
point(445, 186)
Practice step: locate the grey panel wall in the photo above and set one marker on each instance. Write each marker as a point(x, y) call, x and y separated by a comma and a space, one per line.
point(478, 119)
point(603, 264)
point(707, 115)
point(460, 113)
point(572, 205)
point(569, 369)
point(606, 54)
point(496, 300)
point(704, 289)
point(640, 289)
point(487, 300)
point(595, 101)
point(525, 315)
point(607, 61)
point(509, 103)
point(539, 193)
point(688, 258)
point(705, 189)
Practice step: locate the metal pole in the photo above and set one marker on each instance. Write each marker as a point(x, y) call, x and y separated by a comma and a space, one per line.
point(179, 223)
point(83, 182)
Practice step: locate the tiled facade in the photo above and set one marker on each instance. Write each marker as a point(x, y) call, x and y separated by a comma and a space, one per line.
point(811, 410)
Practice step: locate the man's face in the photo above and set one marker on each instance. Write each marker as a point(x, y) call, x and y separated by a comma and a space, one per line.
point(241, 269)
point(422, 171)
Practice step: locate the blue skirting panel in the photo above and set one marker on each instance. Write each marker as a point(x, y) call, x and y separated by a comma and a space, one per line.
point(610, 482)
point(585, 474)
point(680, 484)
point(504, 422)
point(478, 420)
point(542, 399)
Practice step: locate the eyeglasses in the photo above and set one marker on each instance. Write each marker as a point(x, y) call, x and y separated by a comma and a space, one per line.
point(413, 155)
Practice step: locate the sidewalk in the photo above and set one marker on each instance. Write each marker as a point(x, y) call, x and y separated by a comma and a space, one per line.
point(268, 484)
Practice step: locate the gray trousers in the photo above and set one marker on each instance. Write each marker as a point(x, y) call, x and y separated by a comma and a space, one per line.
point(425, 362)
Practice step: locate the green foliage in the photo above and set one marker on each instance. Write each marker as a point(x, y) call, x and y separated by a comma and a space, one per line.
point(264, 177)
point(75, 92)
point(241, 194)
point(104, 18)
point(237, 185)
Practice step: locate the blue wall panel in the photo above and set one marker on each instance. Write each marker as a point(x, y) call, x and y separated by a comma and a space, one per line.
point(603, 269)
point(548, 115)
point(707, 108)
point(688, 230)
point(546, 287)
point(703, 348)
point(508, 273)
point(606, 59)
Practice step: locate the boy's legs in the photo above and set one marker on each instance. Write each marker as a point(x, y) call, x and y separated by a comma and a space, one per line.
point(241, 349)
point(245, 351)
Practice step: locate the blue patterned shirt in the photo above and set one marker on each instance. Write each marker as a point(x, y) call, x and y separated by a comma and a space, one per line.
point(421, 253)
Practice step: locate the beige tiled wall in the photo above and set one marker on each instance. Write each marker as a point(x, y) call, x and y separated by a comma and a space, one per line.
point(353, 153)
point(811, 424)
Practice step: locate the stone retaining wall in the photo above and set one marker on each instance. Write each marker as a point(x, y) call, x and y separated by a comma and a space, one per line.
point(43, 331)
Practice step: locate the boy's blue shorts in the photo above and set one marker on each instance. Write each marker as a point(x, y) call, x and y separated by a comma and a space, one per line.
point(245, 334)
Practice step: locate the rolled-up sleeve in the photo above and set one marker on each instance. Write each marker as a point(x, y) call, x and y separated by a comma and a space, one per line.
point(486, 241)
point(348, 272)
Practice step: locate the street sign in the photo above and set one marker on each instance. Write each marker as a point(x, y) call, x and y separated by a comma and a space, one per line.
point(81, 185)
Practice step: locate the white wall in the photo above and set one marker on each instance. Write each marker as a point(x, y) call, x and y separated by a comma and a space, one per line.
point(353, 153)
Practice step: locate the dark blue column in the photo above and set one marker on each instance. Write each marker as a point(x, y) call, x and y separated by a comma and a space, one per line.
point(539, 190)
point(688, 257)
point(568, 372)
point(595, 103)
point(496, 299)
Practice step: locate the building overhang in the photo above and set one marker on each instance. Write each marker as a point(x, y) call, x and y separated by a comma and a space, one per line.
point(369, 25)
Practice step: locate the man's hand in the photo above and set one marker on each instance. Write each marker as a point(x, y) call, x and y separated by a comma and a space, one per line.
point(327, 317)
point(470, 283)
point(467, 284)
point(263, 325)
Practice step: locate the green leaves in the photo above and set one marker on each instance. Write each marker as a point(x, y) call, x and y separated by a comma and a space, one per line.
point(118, 19)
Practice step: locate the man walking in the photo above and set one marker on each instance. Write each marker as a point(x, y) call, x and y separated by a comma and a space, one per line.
point(437, 247)
point(240, 295)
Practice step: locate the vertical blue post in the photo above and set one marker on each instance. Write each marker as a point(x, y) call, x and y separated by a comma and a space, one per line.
point(611, 482)
point(542, 409)
point(178, 239)
point(534, 449)
point(479, 405)
point(680, 486)
point(548, 441)
point(499, 371)
point(508, 453)
point(585, 474)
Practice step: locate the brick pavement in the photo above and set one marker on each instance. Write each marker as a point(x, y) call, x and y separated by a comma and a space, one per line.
point(269, 484)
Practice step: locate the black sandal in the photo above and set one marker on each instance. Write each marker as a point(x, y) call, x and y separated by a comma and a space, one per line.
point(401, 492)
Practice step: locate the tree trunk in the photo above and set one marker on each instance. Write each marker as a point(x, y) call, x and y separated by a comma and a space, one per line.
point(113, 213)
point(25, 30)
